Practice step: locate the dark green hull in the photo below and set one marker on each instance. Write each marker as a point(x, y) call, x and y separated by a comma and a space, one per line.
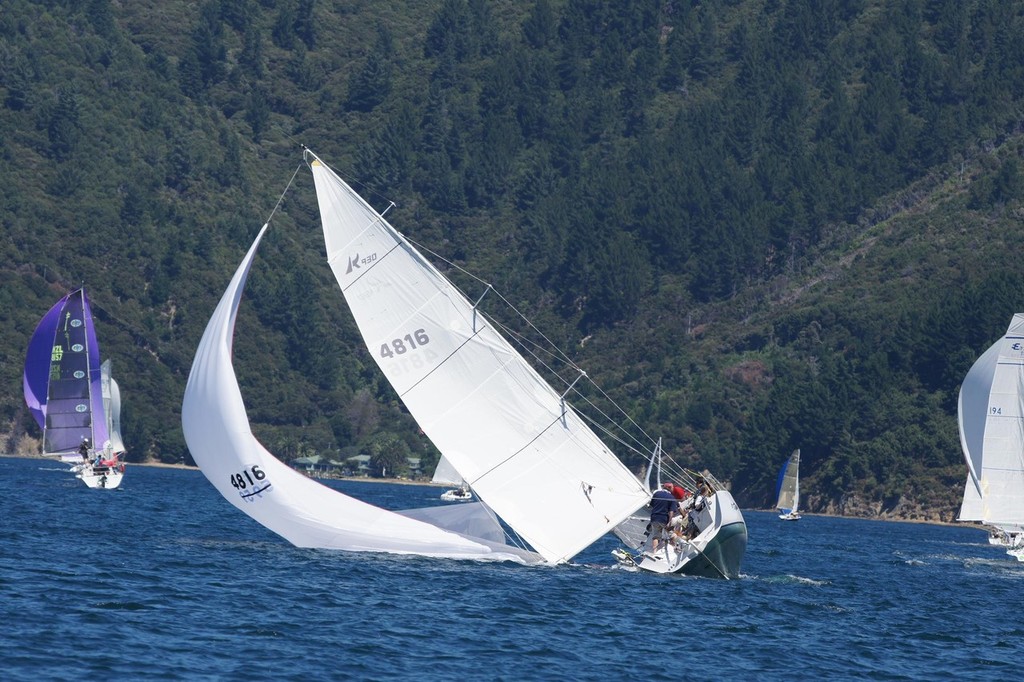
point(722, 557)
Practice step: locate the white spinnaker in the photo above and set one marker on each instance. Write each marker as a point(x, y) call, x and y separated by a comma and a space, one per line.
point(303, 511)
point(527, 455)
point(1002, 462)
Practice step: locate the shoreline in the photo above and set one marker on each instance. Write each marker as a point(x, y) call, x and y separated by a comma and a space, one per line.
point(165, 465)
point(403, 481)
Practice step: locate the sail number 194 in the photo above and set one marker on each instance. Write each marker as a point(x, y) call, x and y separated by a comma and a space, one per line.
point(405, 344)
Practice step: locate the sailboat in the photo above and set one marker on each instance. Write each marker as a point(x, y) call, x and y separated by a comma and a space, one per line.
point(549, 485)
point(710, 543)
point(990, 415)
point(787, 489)
point(64, 391)
point(445, 473)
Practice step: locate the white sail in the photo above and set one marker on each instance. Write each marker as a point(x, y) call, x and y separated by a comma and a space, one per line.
point(972, 411)
point(112, 408)
point(301, 510)
point(972, 508)
point(789, 485)
point(991, 420)
point(446, 473)
point(1002, 464)
point(526, 453)
point(115, 417)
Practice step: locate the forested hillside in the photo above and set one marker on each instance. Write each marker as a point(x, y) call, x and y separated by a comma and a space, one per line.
point(759, 225)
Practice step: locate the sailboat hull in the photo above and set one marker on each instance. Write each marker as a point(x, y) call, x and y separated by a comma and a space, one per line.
point(105, 478)
point(716, 553)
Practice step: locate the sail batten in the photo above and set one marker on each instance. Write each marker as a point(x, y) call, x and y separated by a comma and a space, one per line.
point(478, 400)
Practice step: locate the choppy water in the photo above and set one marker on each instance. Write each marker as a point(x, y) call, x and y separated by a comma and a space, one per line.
point(163, 579)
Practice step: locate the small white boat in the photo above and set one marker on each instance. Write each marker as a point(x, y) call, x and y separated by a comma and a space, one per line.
point(787, 490)
point(457, 495)
point(106, 474)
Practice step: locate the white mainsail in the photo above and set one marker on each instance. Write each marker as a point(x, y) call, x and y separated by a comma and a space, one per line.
point(526, 453)
point(991, 420)
point(301, 510)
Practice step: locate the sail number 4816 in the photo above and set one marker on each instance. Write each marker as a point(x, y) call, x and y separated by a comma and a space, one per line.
point(248, 477)
point(407, 343)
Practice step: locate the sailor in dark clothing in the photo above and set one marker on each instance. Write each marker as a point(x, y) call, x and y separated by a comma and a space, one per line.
point(83, 449)
point(663, 508)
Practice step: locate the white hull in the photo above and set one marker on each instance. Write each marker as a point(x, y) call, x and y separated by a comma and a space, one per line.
point(715, 553)
point(457, 496)
point(791, 516)
point(106, 478)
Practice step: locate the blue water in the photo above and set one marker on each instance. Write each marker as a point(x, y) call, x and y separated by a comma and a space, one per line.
point(164, 579)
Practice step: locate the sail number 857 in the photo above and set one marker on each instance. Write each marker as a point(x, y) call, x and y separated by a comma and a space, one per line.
point(407, 343)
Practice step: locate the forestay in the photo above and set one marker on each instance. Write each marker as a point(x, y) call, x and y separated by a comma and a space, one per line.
point(526, 453)
point(301, 510)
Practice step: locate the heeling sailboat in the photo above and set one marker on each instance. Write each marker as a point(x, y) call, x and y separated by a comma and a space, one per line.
point(990, 415)
point(787, 489)
point(62, 384)
point(299, 509)
point(523, 449)
point(713, 539)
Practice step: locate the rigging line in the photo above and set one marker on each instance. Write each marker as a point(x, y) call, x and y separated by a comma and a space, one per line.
point(281, 198)
point(525, 319)
point(440, 364)
point(540, 433)
point(562, 355)
point(637, 447)
point(525, 347)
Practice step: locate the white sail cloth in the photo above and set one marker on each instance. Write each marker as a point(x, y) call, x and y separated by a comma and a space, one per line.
point(303, 511)
point(446, 473)
point(526, 453)
point(991, 418)
point(789, 484)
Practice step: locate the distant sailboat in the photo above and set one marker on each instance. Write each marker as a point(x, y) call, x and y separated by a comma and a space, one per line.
point(990, 415)
point(445, 473)
point(64, 390)
point(787, 490)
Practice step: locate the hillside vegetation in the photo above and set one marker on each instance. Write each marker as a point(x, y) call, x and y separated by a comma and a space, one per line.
point(759, 225)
